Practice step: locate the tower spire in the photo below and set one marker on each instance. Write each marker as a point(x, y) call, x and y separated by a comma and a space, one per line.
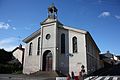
point(52, 11)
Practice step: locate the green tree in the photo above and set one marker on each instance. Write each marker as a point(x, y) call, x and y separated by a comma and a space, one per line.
point(5, 56)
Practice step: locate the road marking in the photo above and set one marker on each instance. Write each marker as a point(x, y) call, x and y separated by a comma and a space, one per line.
point(115, 78)
point(106, 78)
point(99, 78)
point(103, 78)
point(88, 78)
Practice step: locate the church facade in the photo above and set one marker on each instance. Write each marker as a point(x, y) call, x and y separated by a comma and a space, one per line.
point(55, 47)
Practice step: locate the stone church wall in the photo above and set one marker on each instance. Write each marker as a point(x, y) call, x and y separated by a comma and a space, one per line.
point(31, 62)
point(78, 59)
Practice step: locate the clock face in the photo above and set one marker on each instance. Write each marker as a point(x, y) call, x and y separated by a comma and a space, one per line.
point(48, 36)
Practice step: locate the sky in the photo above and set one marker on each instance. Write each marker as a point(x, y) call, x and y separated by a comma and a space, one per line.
point(20, 18)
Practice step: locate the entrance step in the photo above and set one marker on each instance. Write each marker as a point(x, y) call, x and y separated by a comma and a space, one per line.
point(45, 74)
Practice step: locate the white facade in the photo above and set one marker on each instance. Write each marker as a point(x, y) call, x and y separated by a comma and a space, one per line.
point(18, 53)
point(51, 58)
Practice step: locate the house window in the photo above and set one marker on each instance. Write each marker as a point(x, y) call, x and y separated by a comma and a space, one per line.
point(38, 47)
point(74, 41)
point(63, 43)
point(30, 48)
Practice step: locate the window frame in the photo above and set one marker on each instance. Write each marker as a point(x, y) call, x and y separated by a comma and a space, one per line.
point(30, 48)
point(62, 43)
point(74, 44)
point(38, 46)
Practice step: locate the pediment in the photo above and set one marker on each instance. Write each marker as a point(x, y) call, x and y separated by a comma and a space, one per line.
point(48, 20)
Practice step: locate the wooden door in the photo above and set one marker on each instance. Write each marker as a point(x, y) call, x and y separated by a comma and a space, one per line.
point(47, 61)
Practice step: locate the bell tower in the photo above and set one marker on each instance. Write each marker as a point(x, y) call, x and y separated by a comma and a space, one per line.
point(52, 16)
point(52, 11)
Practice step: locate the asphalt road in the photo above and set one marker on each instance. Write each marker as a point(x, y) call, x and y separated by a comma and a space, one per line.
point(23, 77)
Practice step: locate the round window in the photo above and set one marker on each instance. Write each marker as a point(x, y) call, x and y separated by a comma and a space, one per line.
point(48, 36)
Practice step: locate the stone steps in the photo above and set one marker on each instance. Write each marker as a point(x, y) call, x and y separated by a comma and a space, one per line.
point(45, 74)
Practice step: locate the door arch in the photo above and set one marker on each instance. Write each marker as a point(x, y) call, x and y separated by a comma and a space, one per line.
point(47, 61)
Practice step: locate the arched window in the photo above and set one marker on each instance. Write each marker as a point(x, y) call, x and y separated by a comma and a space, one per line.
point(30, 48)
point(38, 47)
point(62, 43)
point(74, 42)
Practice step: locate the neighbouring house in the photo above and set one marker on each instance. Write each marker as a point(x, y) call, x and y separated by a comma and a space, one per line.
point(56, 47)
point(18, 54)
point(102, 64)
point(109, 58)
point(118, 57)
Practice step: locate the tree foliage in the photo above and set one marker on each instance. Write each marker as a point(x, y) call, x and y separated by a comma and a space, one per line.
point(5, 56)
point(5, 65)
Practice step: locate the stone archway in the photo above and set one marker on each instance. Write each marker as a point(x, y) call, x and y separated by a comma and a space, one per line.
point(47, 61)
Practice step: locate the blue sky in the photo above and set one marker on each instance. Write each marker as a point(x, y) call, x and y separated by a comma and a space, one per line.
point(19, 18)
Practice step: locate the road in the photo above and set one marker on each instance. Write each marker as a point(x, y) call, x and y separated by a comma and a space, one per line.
point(103, 78)
point(112, 73)
point(23, 77)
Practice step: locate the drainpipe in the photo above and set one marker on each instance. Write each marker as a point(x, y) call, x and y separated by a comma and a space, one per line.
point(41, 48)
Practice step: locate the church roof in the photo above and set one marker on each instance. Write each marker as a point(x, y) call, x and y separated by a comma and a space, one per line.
point(32, 36)
point(22, 49)
point(76, 30)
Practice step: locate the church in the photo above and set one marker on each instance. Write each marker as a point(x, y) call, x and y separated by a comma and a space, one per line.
point(56, 47)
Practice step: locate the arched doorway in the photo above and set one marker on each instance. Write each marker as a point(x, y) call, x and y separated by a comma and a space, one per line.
point(47, 61)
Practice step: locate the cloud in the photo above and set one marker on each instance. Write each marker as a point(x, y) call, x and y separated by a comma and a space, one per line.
point(9, 43)
point(14, 28)
point(4, 25)
point(117, 17)
point(10, 47)
point(104, 14)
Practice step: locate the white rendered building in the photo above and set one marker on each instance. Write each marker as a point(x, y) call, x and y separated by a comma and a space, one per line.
point(18, 54)
point(55, 47)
